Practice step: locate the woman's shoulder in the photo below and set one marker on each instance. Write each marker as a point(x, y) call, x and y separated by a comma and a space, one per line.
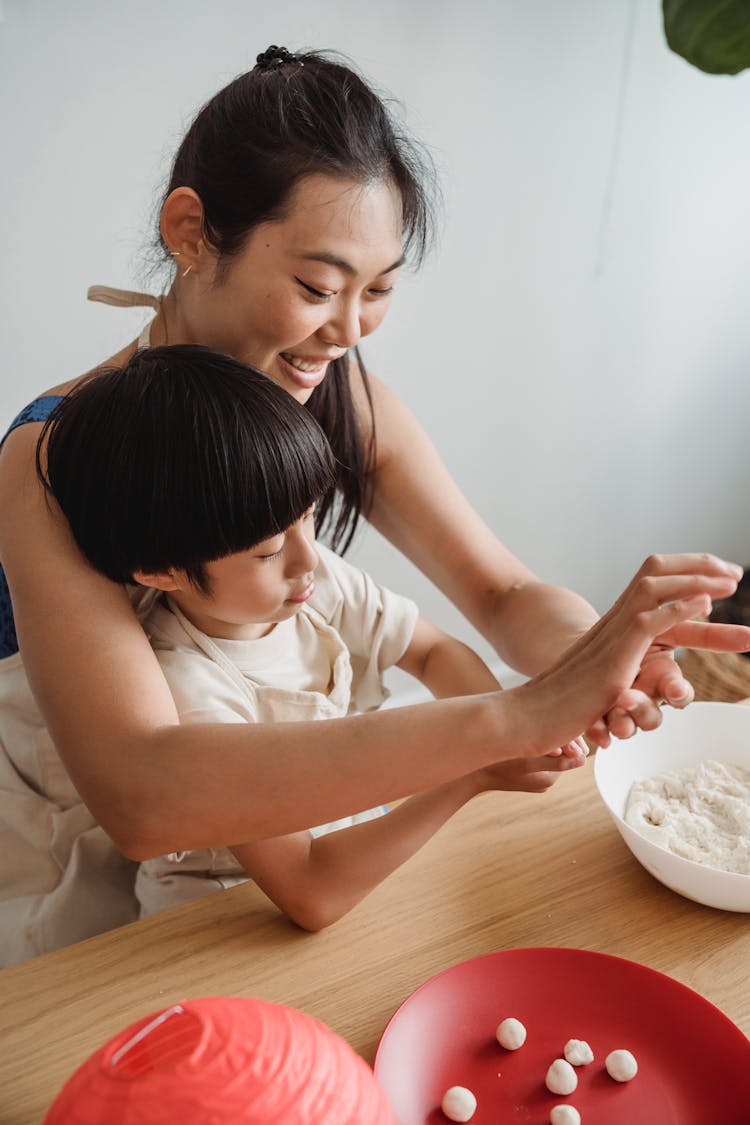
point(39, 408)
point(119, 359)
point(394, 421)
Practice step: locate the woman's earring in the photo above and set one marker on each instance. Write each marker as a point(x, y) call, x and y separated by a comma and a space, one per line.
point(176, 254)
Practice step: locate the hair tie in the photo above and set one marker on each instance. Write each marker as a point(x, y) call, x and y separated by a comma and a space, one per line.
point(274, 57)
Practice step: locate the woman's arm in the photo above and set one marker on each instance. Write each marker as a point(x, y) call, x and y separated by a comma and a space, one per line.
point(420, 509)
point(158, 787)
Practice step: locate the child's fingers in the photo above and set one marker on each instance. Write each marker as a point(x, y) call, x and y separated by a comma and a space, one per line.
point(539, 780)
point(576, 749)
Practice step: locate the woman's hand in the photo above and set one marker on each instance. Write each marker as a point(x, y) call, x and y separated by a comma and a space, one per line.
point(661, 679)
point(614, 677)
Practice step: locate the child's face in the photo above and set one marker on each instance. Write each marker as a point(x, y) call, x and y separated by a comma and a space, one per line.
point(252, 590)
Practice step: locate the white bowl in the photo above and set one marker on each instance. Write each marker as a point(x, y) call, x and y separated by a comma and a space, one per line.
point(719, 731)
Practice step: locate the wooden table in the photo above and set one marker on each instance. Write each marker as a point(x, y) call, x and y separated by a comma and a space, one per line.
point(509, 870)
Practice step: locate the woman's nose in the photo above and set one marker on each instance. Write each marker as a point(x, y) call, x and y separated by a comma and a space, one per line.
point(343, 327)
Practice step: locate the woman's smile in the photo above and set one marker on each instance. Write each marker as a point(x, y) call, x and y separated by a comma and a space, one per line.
point(306, 371)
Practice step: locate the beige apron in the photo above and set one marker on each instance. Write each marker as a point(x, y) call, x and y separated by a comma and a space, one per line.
point(180, 877)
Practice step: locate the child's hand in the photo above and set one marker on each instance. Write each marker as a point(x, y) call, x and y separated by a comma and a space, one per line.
point(532, 775)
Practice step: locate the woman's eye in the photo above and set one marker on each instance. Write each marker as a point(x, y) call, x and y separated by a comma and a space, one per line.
point(322, 296)
point(382, 292)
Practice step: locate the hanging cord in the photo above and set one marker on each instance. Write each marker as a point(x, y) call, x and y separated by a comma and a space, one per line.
point(605, 216)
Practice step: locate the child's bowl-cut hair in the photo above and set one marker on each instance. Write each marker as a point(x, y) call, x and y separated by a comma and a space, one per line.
point(179, 458)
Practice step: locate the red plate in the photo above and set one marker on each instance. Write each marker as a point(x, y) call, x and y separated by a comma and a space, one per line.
point(694, 1063)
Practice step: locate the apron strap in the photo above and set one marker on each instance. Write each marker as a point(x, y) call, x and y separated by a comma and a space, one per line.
point(123, 298)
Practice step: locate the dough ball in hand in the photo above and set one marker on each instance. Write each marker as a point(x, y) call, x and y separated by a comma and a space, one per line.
point(511, 1034)
point(578, 1053)
point(565, 1115)
point(561, 1078)
point(458, 1104)
point(621, 1065)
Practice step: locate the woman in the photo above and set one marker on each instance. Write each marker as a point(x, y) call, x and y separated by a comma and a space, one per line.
point(290, 208)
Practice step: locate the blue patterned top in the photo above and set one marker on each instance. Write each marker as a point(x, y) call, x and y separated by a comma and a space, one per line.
point(37, 411)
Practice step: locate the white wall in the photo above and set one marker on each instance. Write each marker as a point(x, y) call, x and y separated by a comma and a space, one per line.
point(578, 347)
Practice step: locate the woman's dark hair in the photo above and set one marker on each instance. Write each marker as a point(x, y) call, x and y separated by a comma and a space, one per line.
point(291, 116)
point(179, 458)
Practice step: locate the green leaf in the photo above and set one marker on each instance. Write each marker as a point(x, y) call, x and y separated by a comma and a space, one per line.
point(713, 35)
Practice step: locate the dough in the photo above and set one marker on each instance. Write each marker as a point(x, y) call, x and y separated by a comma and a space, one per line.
point(561, 1078)
point(701, 813)
point(458, 1104)
point(565, 1115)
point(577, 1052)
point(511, 1034)
point(621, 1066)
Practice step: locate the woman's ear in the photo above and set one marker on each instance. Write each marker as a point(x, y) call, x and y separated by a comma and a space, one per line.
point(166, 580)
point(181, 227)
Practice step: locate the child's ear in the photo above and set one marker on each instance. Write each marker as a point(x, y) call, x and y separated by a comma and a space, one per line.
point(167, 580)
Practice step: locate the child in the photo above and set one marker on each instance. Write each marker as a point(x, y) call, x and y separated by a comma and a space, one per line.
point(203, 494)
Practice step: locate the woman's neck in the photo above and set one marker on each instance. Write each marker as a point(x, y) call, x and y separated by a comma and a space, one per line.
point(169, 325)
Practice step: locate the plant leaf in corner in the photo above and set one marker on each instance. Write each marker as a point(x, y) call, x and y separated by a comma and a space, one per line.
point(713, 35)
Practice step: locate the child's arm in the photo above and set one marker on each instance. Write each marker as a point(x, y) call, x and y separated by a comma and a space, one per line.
point(316, 880)
point(449, 668)
point(444, 665)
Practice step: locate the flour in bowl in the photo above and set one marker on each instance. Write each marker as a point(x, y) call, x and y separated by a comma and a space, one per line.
point(700, 812)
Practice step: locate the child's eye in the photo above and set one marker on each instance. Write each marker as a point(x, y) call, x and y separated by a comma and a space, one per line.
point(322, 296)
point(270, 543)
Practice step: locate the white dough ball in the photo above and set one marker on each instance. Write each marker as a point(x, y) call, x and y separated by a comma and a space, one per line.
point(578, 1052)
point(561, 1078)
point(459, 1104)
point(511, 1034)
point(564, 1115)
point(621, 1066)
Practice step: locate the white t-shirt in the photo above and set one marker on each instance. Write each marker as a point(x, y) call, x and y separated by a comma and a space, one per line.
point(325, 662)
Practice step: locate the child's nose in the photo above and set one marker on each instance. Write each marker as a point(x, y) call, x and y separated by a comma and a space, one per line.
point(304, 557)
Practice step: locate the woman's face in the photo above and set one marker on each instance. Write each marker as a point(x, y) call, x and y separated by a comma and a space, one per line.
point(307, 287)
